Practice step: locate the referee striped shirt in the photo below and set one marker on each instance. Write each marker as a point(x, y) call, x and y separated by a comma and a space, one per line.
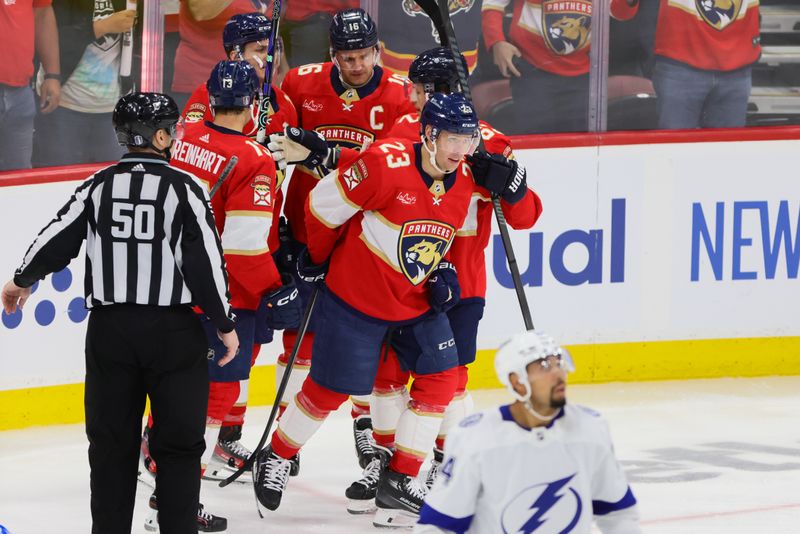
point(150, 240)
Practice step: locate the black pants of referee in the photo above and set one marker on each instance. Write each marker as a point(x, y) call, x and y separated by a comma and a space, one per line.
point(133, 352)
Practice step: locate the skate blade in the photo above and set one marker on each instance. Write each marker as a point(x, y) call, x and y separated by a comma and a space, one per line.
point(361, 506)
point(151, 523)
point(394, 518)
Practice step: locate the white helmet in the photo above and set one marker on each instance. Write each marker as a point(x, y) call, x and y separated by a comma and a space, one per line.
point(517, 353)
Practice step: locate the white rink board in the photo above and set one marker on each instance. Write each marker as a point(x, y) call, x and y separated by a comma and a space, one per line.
point(666, 194)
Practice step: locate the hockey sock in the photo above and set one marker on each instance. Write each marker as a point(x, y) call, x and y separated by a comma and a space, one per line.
point(460, 407)
point(212, 432)
point(303, 416)
point(300, 371)
point(360, 405)
point(387, 406)
point(416, 434)
point(300, 368)
point(235, 417)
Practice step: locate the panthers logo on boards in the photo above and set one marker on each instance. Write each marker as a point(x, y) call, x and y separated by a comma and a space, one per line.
point(566, 24)
point(420, 248)
point(718, 13)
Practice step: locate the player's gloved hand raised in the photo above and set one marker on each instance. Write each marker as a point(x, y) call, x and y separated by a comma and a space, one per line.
point(309, 148)
point(310, 272)
point(444, 292)
point(503, 177)
point(281, 308)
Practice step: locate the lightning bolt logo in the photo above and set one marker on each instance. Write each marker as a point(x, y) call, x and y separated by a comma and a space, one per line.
point(544, 503)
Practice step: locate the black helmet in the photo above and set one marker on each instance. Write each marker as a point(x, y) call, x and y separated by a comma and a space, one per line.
point(436, 70)
point(138, 116)
point(353, 29)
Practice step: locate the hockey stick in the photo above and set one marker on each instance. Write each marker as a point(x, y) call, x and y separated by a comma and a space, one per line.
point(224, 175)
point(301, 332)
point(440, 16)
point(266, 88)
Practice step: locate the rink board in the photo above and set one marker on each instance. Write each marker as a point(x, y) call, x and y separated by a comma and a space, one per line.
point(658, 261)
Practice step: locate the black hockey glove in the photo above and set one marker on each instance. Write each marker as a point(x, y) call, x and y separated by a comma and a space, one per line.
point(310, 149)
point(444, 292)
point(501, 176)
point(309, 272)
point(289, 248)
point(281, 309)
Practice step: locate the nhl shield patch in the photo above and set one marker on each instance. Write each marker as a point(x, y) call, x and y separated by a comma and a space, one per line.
point(566, 24)
point(718, 13)
point(421, 245)
point(262, 196)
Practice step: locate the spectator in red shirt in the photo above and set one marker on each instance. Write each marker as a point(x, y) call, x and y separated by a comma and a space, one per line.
point(546, 57)
point(25, 26)
point(200, 24)
point(704, 57)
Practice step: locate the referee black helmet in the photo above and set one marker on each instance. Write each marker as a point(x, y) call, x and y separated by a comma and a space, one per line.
point(138, 116)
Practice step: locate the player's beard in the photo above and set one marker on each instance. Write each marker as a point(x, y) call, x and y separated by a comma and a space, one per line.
point(557, 403)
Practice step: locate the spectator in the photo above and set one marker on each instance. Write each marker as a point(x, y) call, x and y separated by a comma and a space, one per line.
point(25, 26)
point(550, 84)
point(704, 56)
point(305, 29)
point(406, 31)
point(90, 41)
point(200, 24)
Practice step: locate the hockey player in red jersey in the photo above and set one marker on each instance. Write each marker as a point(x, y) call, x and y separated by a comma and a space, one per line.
point(435, 71)
point(245, 37)
point(244, 210)
point(392, 216)
point(350, 101)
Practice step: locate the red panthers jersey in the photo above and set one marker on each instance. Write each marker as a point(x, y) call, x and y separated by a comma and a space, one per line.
point(281, 114)
point(467, 253)
point(385, 224)
point(346, 117)
point(552, 35)
point(243, 206)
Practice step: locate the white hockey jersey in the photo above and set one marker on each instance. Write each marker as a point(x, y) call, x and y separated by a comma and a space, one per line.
point(500, 477)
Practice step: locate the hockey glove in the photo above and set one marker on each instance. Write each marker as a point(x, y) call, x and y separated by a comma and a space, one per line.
point(309, 272)
point(501, 176)
point(281, 309)
point(309, 148)
point(276, 146)
point(286, 256)
point(444, 292)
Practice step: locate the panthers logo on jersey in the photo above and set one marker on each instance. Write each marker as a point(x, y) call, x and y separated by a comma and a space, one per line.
point(566, 25)
point(420, 248)
point(718, 13)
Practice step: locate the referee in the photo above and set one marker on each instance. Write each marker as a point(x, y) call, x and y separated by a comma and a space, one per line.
point(152, 251)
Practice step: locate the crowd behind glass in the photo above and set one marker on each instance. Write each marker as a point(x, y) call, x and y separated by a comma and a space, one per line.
point(672, 64)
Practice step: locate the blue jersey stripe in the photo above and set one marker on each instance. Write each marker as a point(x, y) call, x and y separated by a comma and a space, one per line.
point(603, 508)
point(430, 516)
